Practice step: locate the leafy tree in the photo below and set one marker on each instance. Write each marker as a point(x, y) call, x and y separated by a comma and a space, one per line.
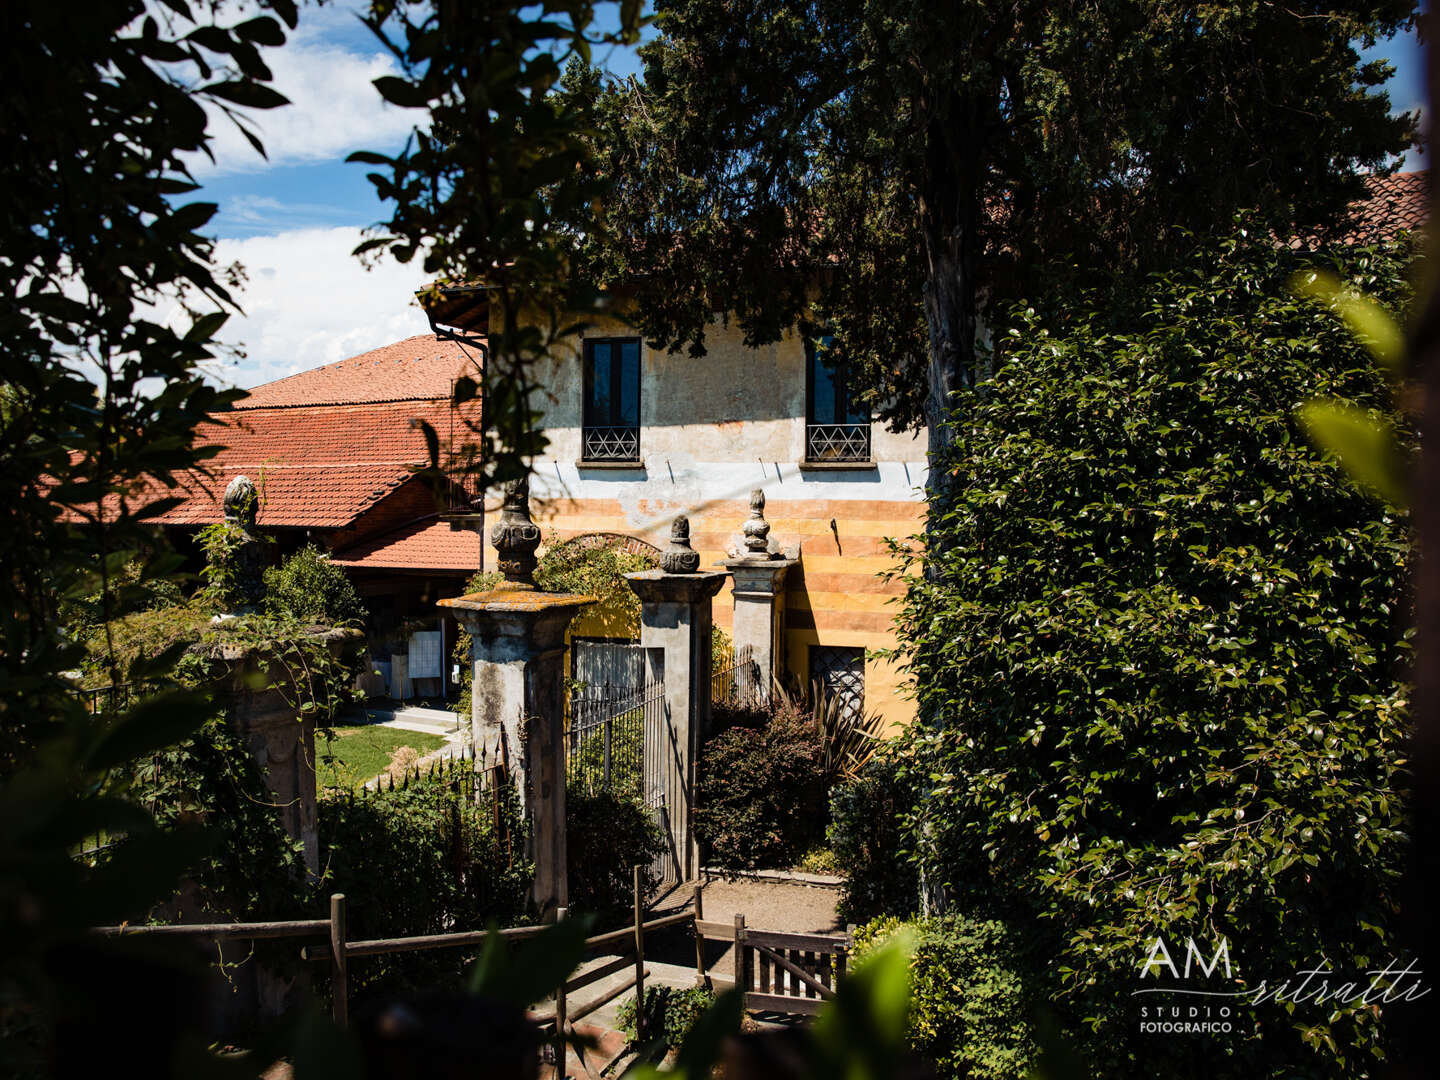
point(310, 588)
point(479, 189)
point(103, 108)
point(1158, 658)
point(881, 168)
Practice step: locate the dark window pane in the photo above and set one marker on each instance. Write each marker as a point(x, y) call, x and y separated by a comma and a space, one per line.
point(598, 405)
point(824, 386)
point(856, 412)
point(628, 412)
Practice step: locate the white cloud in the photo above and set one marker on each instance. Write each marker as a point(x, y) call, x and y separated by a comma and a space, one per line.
point(308, 302)
point(334, 108)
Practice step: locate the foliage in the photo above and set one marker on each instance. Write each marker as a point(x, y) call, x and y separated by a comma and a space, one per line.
point(153, 631)
point(494, 167)
point(586, 764)
point(820, 859)
point(254, 871)
point(598, 572)
point(760, 795)
point(945, 154)
point(104, 107)
point(970, 998)
point(867, 835)
point(848, 738)
point(670, 1013)
point(607, 834)
point(309, 588)
point(1158, 650)
point(353, 755)
point(421, 859)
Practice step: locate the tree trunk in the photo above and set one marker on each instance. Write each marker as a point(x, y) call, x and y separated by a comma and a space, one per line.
point(949, 198)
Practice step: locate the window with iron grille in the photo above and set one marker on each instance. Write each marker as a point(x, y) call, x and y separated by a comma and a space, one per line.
point(611, 427)
point(837, 423)
point(840, 670)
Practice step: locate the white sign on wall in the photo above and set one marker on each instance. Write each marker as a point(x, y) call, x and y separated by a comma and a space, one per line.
point(425, 655)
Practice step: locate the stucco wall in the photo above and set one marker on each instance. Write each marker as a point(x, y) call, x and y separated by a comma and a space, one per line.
point(714, 429)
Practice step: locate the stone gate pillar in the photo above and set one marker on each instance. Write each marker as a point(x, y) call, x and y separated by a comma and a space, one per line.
point(675, 625)
point(759, 590)
point(517, 648)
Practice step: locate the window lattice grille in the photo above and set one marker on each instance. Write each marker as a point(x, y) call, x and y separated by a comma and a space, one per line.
point(838, 442)
point(840, 669)
point(612, 444)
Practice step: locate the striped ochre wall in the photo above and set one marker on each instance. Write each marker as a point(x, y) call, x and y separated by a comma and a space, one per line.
point(837, 595)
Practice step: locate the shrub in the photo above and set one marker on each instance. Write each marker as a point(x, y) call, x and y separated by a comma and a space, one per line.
point(760, 797)
point(309, 588)
point(422, 859)
point(970, 1001)
point(1157, 654)
point(670, 1013)
point(866, 834)
point(606, 835)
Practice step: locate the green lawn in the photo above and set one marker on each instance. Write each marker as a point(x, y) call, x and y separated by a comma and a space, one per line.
point(356, 754)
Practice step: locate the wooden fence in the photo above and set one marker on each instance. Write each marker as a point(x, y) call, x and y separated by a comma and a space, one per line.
point(340, 951)
point(777, 971)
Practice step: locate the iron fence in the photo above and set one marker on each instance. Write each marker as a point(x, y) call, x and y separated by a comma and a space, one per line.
point(737, 684)
point(605, 747)
point(103, 700)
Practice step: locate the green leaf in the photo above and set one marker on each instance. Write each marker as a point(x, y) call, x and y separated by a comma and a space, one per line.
point(243, 92)
point(207, 326)
point(369, 157)
point(401, 92)
point(530, 970)
point(153, 724)
point(698, 1055)
point(263, 30)
point(1367, 320)
point(1366, 447)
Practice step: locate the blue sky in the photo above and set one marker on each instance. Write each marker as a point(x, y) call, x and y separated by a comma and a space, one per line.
point(292, 221)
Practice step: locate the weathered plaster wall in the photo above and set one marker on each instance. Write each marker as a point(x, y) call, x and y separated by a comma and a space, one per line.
point(712, 430)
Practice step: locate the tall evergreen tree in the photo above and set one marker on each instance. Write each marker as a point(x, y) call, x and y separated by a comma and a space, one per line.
point(888, 167)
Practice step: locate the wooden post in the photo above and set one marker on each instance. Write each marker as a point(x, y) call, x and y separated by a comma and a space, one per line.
point(639, 960)
point(339, 963)
point(560, 1019)
point(700, 979)
point(742, 980)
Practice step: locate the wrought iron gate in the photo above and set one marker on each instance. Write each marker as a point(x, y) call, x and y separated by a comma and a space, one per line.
point(619, 739)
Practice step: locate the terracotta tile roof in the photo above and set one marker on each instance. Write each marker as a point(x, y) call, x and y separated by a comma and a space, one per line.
point(417, 368)
point(1395, 203)
point(318, 466)
point(428, 544)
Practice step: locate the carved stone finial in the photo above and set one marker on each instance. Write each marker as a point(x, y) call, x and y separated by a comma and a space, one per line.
point(757, 529)
point(679, 557)
point(516, 536)
point(241, 503)
point(238, 565)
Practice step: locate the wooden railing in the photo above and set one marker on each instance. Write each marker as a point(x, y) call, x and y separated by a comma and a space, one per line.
point(777, 971)
point(340, 951)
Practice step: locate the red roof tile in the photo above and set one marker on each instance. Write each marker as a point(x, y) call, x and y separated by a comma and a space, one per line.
point(414, 369)
point(317, 466)
point(429, 544)
point(1395, 203)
